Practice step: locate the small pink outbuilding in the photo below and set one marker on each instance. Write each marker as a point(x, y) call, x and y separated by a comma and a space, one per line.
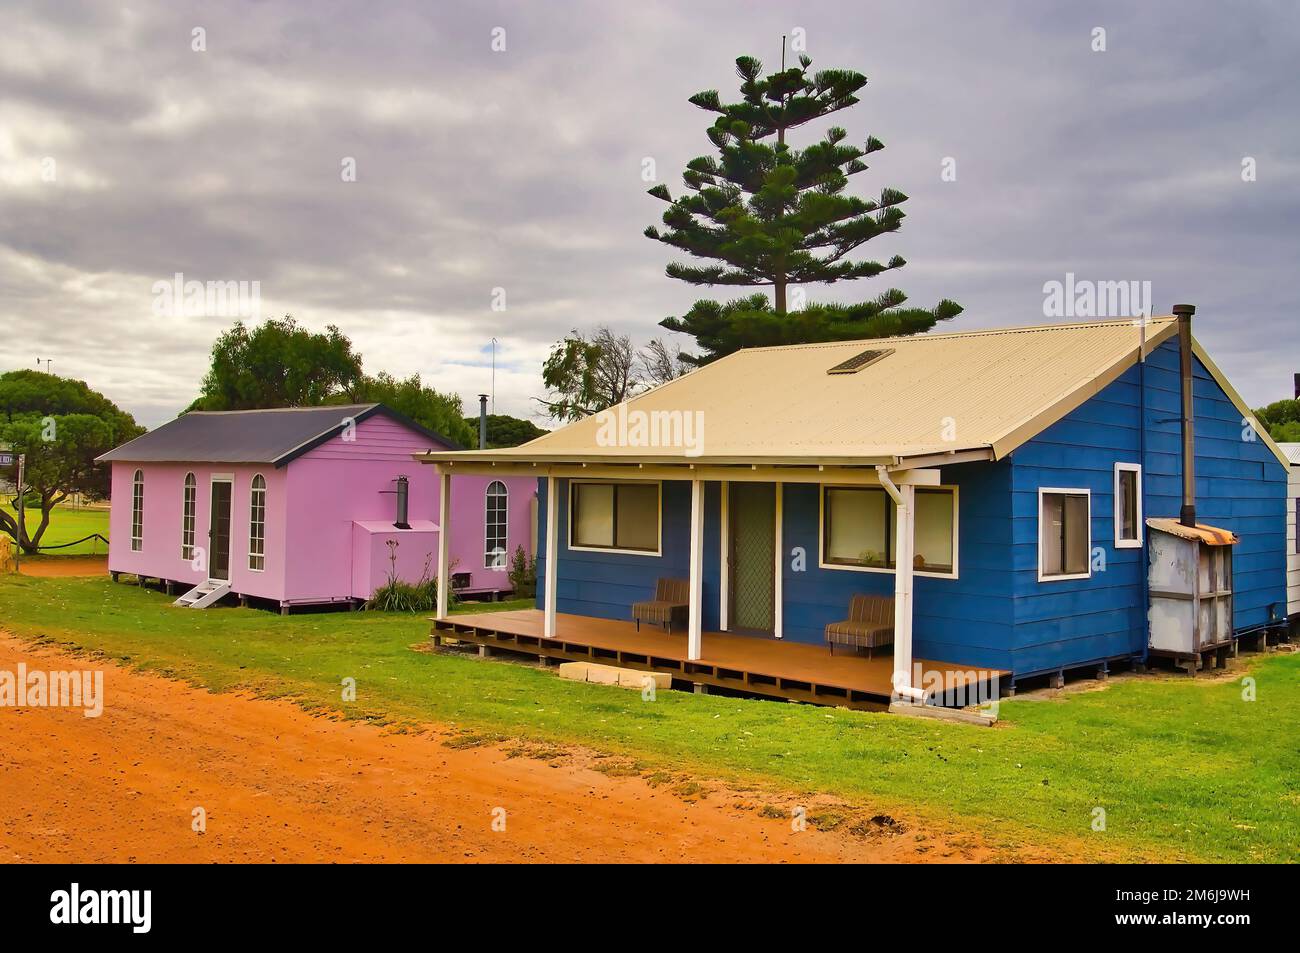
point(303, 506)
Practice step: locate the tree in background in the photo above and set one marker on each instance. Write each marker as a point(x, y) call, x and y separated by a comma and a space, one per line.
point(441, 413)
point(584, 375)
point(764, 214)
point(505, 431)
point(661, 363)
point(62, 426)
point(1282, 418)
point(278, 364)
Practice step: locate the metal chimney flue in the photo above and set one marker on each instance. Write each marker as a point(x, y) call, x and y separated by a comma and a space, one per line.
point(482, 421)
point(403, 491)
point(1184, 314)
point(1297, 386)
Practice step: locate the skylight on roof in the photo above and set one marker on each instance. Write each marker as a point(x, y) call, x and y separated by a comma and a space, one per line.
point(859, 361)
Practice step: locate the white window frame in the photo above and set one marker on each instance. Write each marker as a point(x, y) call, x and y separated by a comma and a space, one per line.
point(1038, 529)
point(659, 512)
point(821, 531)
point(252, 495)
point(488, 555)
point(189, 514)
point(137, 511)
point(1120, 542)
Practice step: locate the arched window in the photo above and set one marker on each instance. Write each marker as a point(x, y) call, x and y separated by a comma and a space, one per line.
point(137, 511)
point(495, 552)
point(257, 525)
point(187, 516)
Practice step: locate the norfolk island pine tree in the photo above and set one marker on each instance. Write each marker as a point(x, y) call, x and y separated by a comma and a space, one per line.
point(764, 214)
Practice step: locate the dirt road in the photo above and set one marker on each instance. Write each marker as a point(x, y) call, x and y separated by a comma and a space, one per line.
point(64, 566)
point(280, 785)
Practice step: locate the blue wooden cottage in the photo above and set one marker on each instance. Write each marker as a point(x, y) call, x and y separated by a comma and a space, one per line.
point(1002, 487)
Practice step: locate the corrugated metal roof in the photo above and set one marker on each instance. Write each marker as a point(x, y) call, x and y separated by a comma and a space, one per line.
point(935, 394)
point(1210, 535)
point(1292, 451)
point(273, 436)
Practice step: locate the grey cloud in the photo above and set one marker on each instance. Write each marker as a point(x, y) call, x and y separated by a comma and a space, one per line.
point(522, 170)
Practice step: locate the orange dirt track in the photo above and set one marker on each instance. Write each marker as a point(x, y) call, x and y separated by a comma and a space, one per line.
point(65, 566)
point(281, 785)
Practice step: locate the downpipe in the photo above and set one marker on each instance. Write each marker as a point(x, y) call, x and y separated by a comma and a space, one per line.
point(902, 680)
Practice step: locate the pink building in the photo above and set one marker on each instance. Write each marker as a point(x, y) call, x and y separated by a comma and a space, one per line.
point(304, 506)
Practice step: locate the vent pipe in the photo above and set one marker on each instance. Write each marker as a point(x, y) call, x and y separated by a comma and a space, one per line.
point(403, 489)
point(1184, 314)
point(482, 421)
point(1297, 386)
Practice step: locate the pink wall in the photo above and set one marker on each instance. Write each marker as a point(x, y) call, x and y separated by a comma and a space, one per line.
point(160, 552)
point(469, 525)
point(414, 557)
point(311, 505)
point(336, 483)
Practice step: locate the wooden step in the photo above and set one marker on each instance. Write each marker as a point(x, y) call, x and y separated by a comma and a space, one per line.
point(203, 595)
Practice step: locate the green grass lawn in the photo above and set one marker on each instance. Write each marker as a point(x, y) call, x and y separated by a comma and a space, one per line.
point(1184, 768)
point(67, 524)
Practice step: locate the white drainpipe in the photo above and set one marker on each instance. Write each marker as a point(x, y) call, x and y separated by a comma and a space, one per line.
point(904, 498)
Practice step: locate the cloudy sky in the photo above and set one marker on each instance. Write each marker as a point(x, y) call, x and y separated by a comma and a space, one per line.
point(127, 156)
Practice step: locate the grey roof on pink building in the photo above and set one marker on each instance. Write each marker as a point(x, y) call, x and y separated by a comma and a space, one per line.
point(274, 436)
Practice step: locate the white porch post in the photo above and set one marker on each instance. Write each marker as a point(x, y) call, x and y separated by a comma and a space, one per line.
point(694, 626)
point(906, 510)
point(552, 554)
point(444, 531)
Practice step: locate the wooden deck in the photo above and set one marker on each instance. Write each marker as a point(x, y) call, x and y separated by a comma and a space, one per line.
point(761, 666)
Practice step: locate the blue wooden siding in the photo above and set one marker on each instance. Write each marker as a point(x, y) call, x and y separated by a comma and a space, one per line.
point(604, 585)
point(1069, 622)
point(1240, 486)
point(997, 613)
point(966, 620)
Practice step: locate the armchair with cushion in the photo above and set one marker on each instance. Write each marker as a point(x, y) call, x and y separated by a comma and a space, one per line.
point(672, 597)
point(870, 624)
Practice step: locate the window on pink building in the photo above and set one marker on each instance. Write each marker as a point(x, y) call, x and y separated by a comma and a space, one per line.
point(257, 525)
point(137, 511)
point(495, 543)
point(187, 519)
